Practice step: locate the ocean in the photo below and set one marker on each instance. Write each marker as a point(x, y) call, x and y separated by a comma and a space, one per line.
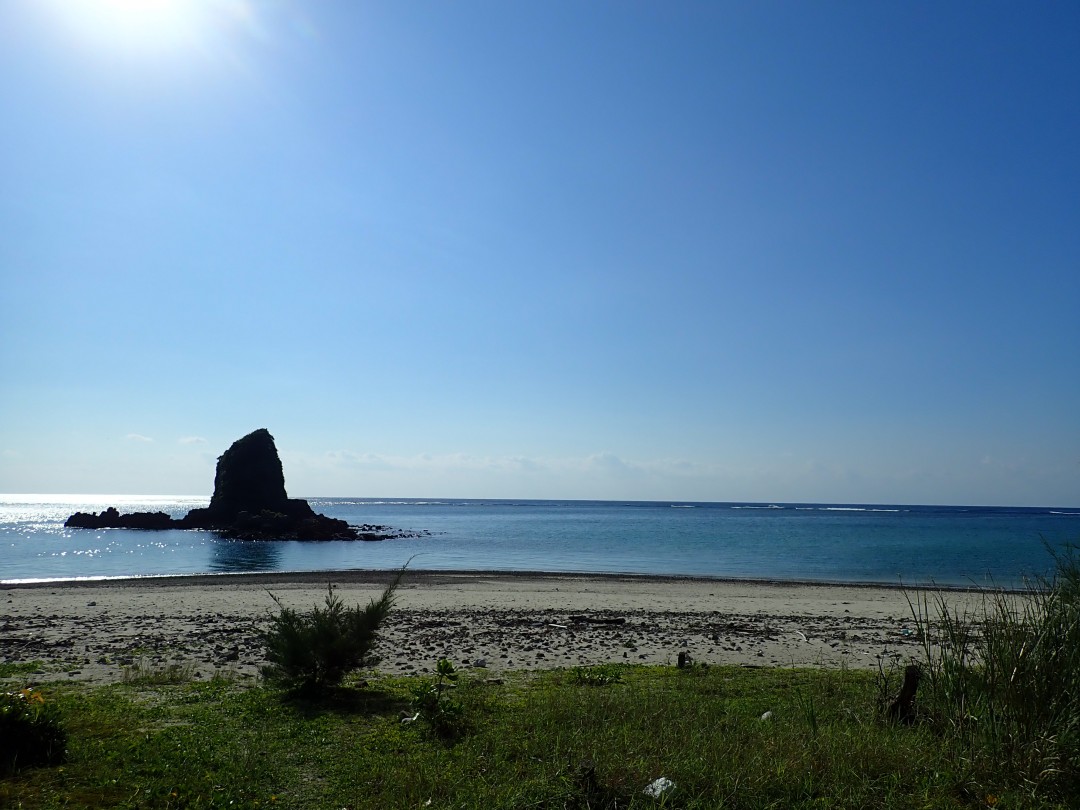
point(850, 543)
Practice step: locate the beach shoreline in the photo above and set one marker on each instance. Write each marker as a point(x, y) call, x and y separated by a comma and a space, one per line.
point(371, 575)
point(489, 621)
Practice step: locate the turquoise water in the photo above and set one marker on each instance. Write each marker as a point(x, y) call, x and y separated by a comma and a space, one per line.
point(948, 545)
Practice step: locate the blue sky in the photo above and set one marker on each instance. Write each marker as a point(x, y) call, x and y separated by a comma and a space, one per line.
point(766, 251)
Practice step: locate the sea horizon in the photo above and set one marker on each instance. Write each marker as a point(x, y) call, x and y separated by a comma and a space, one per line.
point(95, 497)
point(815, 542)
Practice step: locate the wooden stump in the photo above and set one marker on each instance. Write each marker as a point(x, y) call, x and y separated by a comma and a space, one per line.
point(902, 709)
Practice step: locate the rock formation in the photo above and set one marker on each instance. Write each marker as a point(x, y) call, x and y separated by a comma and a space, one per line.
point(249, 503)
point(112, 519)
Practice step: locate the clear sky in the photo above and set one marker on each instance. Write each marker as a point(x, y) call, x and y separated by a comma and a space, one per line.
point(766, 251)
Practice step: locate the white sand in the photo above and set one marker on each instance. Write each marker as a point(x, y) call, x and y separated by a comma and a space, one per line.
point(91, 631)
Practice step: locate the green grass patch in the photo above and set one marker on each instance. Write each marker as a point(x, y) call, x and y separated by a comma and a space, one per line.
point(599, 675)
point(545, 740)
point(17, 669)
point(148, 674)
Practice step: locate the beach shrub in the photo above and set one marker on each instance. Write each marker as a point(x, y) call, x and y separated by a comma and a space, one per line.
point(599, 675)
point(434, 702)
point(316, 649)
point(30, 731)
point(1007, 674)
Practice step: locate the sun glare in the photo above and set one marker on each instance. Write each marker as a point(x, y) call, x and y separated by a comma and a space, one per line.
point(153, 27)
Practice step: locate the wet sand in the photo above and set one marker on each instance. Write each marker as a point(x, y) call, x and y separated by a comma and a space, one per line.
point(490, 621)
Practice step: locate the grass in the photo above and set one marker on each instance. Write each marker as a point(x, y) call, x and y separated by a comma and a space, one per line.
point(545, 740)
point(17, 669)
point(1004, 678)
point(148, 674)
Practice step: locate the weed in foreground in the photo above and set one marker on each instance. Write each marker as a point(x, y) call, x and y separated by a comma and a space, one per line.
point(435, 704)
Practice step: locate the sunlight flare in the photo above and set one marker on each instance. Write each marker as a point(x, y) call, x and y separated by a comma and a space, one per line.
point(151, 27)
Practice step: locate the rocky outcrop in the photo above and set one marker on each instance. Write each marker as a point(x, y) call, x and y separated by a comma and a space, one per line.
point(112, 519)
point(249, 503)
point(249, 479)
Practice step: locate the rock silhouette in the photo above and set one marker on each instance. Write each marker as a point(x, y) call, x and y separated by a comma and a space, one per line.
point(249, 503)
point(111, 519)
point(249, 478)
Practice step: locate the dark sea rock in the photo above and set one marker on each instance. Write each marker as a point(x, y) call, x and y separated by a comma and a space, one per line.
point(249, 478)
point(249, 503)
point(112, 519)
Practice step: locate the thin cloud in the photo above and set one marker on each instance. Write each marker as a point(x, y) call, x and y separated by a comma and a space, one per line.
point(138, 437)
point(606, 460)
point(603, 463)
point(370, 461)
point(192, 440)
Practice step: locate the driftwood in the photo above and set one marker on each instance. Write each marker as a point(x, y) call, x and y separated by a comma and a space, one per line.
point(594, 620)
point(902, 709)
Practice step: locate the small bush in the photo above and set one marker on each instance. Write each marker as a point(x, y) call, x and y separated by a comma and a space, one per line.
point(433, 702)
point(30, 731)
point(309, 651)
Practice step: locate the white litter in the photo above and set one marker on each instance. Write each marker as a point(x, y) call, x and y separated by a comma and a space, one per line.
point(661, 787)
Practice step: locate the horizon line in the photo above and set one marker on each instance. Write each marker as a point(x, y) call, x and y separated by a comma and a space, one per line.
point(446, 499)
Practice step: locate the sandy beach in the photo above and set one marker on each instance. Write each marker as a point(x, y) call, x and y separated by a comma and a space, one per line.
point(493, 622)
